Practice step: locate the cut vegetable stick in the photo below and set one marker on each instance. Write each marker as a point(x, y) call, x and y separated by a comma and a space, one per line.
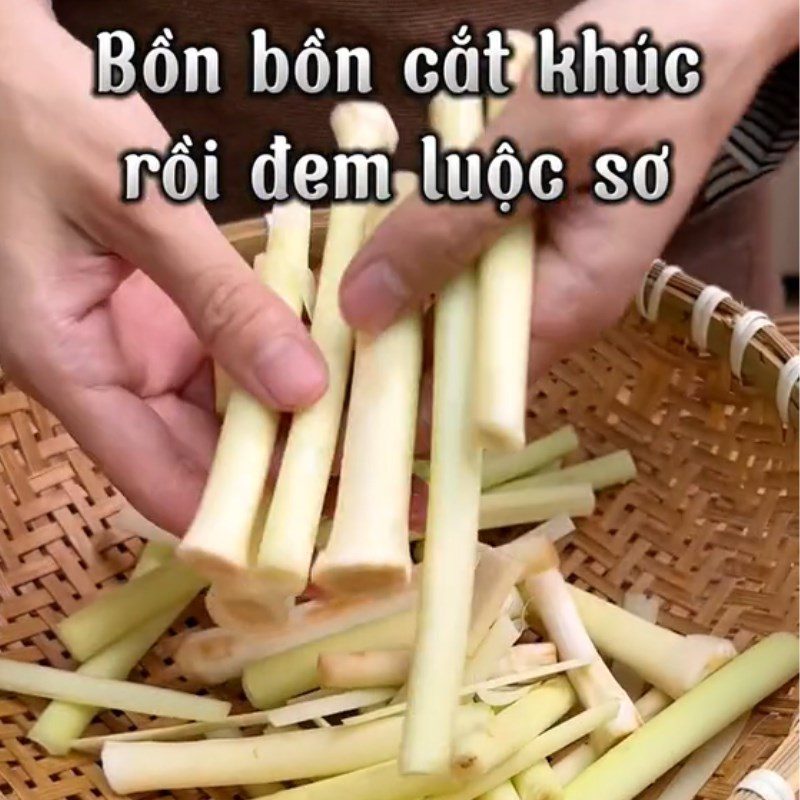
point(217, 655)
point(272, 680)
point(595, 685)
point(538, 782)
point(287, 546)
point(61, 723)
point(72, 687)
point(568, 768)
point(123, 608)
point(528, 547)
point(495, 578)
point(497, 642)
point(552, 466)
point(681, 728)
point(514, 605)
point(523, 657)
point(498, 509)
point(327, 706)
point(505, 791)
point(517, 679)
point(452, 526)
point(386, 777)
point(501, 467)
point(223, 386)
point(551, 741)
point(217, 543)
point(505, 301)
point(515, 726)
point(173, 733)
point(129, 519)
point(291, 755)
point(703, 763)
point(368, 669)
point(645, 608)
point(378, 668)
point(599, 473)
point(153, 555)
point(361, 785)
point(368, 545)
point(248, 608)
point(254, 790)
point(667, 660)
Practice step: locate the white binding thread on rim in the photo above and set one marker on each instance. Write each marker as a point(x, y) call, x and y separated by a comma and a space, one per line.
point(649, 310)
point(789, 376)
point(767, 784)
point(703, 312)
point(746, 327)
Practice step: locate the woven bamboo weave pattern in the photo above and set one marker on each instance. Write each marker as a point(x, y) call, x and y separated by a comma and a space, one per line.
point(710, 525)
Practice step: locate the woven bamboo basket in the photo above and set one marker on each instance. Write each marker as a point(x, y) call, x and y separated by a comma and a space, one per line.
point(710, 526)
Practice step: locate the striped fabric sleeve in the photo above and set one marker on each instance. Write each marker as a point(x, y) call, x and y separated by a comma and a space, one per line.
point(762, 138)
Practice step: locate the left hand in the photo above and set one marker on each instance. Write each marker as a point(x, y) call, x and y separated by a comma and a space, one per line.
point(591, 256)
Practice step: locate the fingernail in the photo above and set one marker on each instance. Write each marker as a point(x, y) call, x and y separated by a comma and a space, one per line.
point(291, 374)
point(375, 297)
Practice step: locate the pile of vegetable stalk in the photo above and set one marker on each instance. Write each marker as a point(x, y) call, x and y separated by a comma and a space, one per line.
point(478, 672)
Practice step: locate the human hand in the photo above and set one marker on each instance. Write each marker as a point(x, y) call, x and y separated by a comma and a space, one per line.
point(107, 310)
point(591, 256)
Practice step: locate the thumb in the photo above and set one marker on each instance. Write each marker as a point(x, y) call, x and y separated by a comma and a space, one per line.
point(253, 334)
point(421, 245)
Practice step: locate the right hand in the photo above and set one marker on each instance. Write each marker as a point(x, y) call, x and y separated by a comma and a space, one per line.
point(107, 310)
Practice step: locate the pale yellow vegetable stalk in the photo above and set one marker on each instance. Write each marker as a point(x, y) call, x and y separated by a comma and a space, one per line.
point(551, 741)
point(129, 519)
point(217, 543)
point(527, 548)
point(505, 298)
point(287, 546)
point(700, 767)
point(368, 545)
point(370, 668)
point(389, 783)
point(121, 609)
point(594, 684)
point(519, 680)
point(505, 791)
point(72, 687)
point(61, 723)
point(667, 660)
point(217, 655)
point(513, 728)
point(648, 705)
point(322, 707)
point(223, 386)
point(453, 505)
point(538, 782)
point(527, 656)
point(514, 605)
point(247, 608)
point(495, 578)
point(272, 680)
point(645, 607)
point(501, 467)
point(680, 729)
point(571, 765)
point(599, 473)
point(275, 757)
point(177, 733)
point(377, 668)
point(496, 644)
point(522, 506)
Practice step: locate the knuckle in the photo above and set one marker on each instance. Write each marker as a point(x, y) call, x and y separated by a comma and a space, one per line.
point(228, 305)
